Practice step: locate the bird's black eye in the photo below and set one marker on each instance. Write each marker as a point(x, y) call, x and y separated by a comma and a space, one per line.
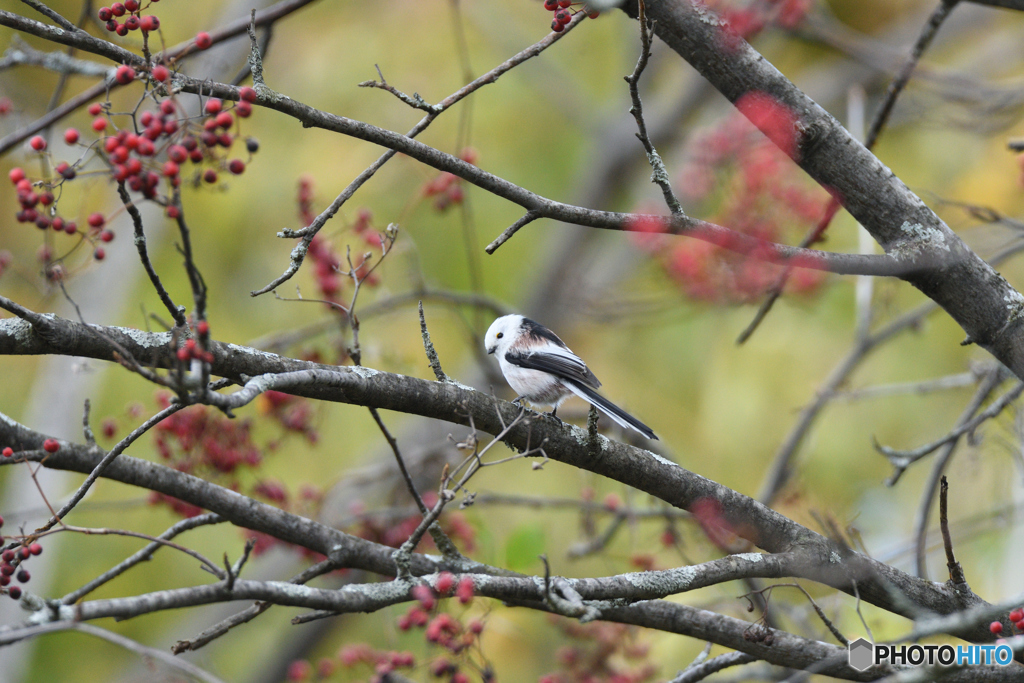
point(500, 335)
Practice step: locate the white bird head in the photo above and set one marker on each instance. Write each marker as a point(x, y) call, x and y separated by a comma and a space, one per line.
point(502, 333)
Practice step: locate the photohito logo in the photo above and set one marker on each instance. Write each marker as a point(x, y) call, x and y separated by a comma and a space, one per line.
point(863, 654)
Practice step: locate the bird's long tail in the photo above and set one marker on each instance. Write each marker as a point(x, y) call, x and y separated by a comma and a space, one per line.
point(610, 409)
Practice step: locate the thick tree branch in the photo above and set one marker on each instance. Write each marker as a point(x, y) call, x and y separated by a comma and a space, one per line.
point(826, 562)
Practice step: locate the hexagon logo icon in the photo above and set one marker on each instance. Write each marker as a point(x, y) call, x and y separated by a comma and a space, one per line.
point(862, 654)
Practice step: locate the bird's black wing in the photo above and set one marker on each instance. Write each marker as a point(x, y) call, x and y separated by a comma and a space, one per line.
point(564, 365)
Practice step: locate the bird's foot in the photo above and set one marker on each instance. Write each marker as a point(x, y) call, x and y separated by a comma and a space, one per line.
point(552, 414)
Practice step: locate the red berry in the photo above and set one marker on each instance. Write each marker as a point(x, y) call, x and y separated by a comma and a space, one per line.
point(71, 228)
point(210, 176)
point(551, 5)
point(37, 143)
point(464, 591)
point(556, 26)
point(35, 549)
point(122, 30)
point(67, 171)
point(171, 169)
point(8, 452)
point(131, 5)
point(160, 72)
point(71, 136)
point(14, 592)
point(564, 3)
point(237, 166)
point(445, 583)
point(183, 354)
point(996, 627)
point(1016, 615)
point(134, 166)
point(173, 211)
point(99, 123)
point(105, 14)
point(124, 74)
point(132, 23)
point(150, 22)
point(23, 575)
point(247, 94)
point(146, 147)
point(99, 254)
point(16, 175)
point(96, 220)
point(213, 105)
point(203, 328)
point(106, 236)
point(112, 25)
point(177, 153)
point(225, 119)
point(51, 445)
point(117, 9)
point(243, 109)
point(203, 40)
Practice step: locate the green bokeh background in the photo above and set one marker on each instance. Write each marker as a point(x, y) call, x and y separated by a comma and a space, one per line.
point(720, 409)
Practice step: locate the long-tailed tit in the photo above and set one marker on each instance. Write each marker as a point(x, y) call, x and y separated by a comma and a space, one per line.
point(541, 369)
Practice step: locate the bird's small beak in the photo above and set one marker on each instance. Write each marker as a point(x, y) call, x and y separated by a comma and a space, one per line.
point(491, 350)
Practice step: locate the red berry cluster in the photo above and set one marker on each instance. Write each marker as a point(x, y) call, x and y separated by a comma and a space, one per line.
point(1016, 618)
point(740, 173)
point(602, 655)
point(751, 19)
point(165, 140)
point(393, 533)
point(445, 187)
point(383, 662)
point(294, 413)
point(460, 640)
point(134, 21)
point(11, 561)
point(563, 13)
point(326, 261)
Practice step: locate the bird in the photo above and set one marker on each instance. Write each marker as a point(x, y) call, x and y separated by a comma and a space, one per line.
point(541, 369)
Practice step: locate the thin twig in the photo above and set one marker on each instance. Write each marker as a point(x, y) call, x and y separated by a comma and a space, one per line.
point(903, 459)
point(97, 471)
point(307, 233)
point(140, 244)
point(507, 233)
point(400, 460)
point(428, 347)
point(120, 640)
point(699, 672)
point(956, 572)
point(52, 15)
point(659, 174)
point(142, 555)
point(221, 628)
